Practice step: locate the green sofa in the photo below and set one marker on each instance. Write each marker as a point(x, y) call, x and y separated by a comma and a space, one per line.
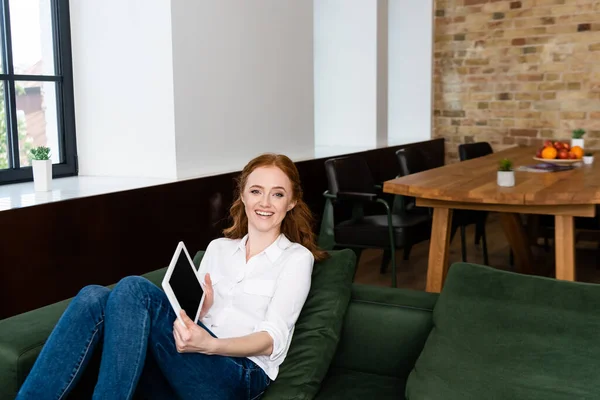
point(490, 334)
point(379, 336)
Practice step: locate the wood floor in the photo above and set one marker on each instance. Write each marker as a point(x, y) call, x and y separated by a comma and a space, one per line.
point(412, 273)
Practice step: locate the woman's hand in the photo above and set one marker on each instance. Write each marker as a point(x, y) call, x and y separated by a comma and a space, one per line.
point(209, 296)
point(192, 338)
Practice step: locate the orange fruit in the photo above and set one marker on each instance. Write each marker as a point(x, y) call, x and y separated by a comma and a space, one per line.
point(549, 153)
point(578, 151)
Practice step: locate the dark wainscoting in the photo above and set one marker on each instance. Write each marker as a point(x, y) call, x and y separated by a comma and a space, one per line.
point(49, 252)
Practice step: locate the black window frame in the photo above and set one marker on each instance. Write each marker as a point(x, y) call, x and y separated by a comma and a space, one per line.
point(65, 102)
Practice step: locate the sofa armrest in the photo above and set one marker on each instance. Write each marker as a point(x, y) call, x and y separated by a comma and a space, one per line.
point(384, 330)
point(21, 340)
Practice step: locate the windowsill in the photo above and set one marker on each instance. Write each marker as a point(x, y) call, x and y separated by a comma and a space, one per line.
point(21, 195)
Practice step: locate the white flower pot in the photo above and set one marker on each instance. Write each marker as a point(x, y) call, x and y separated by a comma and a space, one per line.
point(506, 178)
point(577, 142)
point(588, 160)
point(42, 175)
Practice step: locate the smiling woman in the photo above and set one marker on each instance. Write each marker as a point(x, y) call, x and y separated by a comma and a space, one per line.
point(256, 280)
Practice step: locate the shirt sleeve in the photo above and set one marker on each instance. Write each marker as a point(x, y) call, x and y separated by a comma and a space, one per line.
point(290, 294)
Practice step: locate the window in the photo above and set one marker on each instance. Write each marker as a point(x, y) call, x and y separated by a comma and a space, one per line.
point(36, 87)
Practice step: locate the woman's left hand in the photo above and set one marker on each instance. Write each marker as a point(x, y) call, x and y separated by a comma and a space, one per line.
point(192, 338)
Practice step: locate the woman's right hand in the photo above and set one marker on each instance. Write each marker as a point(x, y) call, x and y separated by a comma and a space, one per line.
point(209, 296)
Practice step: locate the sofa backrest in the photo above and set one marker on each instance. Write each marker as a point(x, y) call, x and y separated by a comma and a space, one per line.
point(384, 330)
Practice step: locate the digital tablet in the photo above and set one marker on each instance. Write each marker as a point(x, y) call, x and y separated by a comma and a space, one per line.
point(182, 286)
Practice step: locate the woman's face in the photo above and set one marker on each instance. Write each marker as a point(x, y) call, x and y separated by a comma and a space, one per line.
point(267, 197)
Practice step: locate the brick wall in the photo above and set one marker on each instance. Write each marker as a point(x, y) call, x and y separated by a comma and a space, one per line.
point(516, 72)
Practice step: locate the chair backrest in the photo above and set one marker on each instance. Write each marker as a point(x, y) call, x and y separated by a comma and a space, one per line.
point(349, 174)
point(412, 160)
point(469, 151)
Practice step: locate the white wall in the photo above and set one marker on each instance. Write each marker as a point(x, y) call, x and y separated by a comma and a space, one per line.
point(410, 70)
point(346, 72)
point(243, 82)
point(123, 80)
point(182, 88)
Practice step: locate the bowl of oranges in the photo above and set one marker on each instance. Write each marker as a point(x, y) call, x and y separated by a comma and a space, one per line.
point(559, 153)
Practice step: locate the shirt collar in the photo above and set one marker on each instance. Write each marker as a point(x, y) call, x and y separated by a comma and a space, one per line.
point(273, 251)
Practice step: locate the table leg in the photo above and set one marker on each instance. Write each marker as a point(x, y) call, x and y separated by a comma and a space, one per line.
point(438, 249)
point(564, 239)
point(519, 242)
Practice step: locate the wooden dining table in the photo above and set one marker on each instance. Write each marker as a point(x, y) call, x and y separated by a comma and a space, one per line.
point(472, 185)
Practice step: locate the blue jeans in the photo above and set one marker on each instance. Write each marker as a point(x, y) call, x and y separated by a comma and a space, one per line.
point(134, 322)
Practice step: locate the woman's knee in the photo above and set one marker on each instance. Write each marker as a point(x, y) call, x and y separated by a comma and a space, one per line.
point(92, 295)
point(134, 285)
point(137, 291)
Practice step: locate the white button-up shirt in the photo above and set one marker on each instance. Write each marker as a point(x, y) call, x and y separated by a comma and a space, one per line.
point(265, 294)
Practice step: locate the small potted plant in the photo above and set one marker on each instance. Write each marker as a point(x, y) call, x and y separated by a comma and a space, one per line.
point(588, 158)
point(506, 174)
point(577, 138)
point(42, 168)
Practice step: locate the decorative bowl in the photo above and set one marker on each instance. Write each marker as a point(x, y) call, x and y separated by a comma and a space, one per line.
point(558, 161)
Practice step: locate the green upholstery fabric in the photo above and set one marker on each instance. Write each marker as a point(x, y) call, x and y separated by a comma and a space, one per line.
point(349, 385)
point(317, 330)
point(22, 340)
point(157, 276)
point(501, 335)
point(389, 326)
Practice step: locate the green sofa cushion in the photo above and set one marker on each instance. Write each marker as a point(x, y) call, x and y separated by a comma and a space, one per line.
point(318, 329)
point(389, 326)
point(502, 335)
point(157, 276)
point(343, 384)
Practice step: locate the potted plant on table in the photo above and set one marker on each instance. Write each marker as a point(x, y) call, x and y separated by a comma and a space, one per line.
point(577, 138)
point(506, 174)
point(42, 168)
point(588, 158)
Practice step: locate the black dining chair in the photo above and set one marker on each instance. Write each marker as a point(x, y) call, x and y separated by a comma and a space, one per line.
point(412, 160)
point(469, 151)
point(370, 220)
